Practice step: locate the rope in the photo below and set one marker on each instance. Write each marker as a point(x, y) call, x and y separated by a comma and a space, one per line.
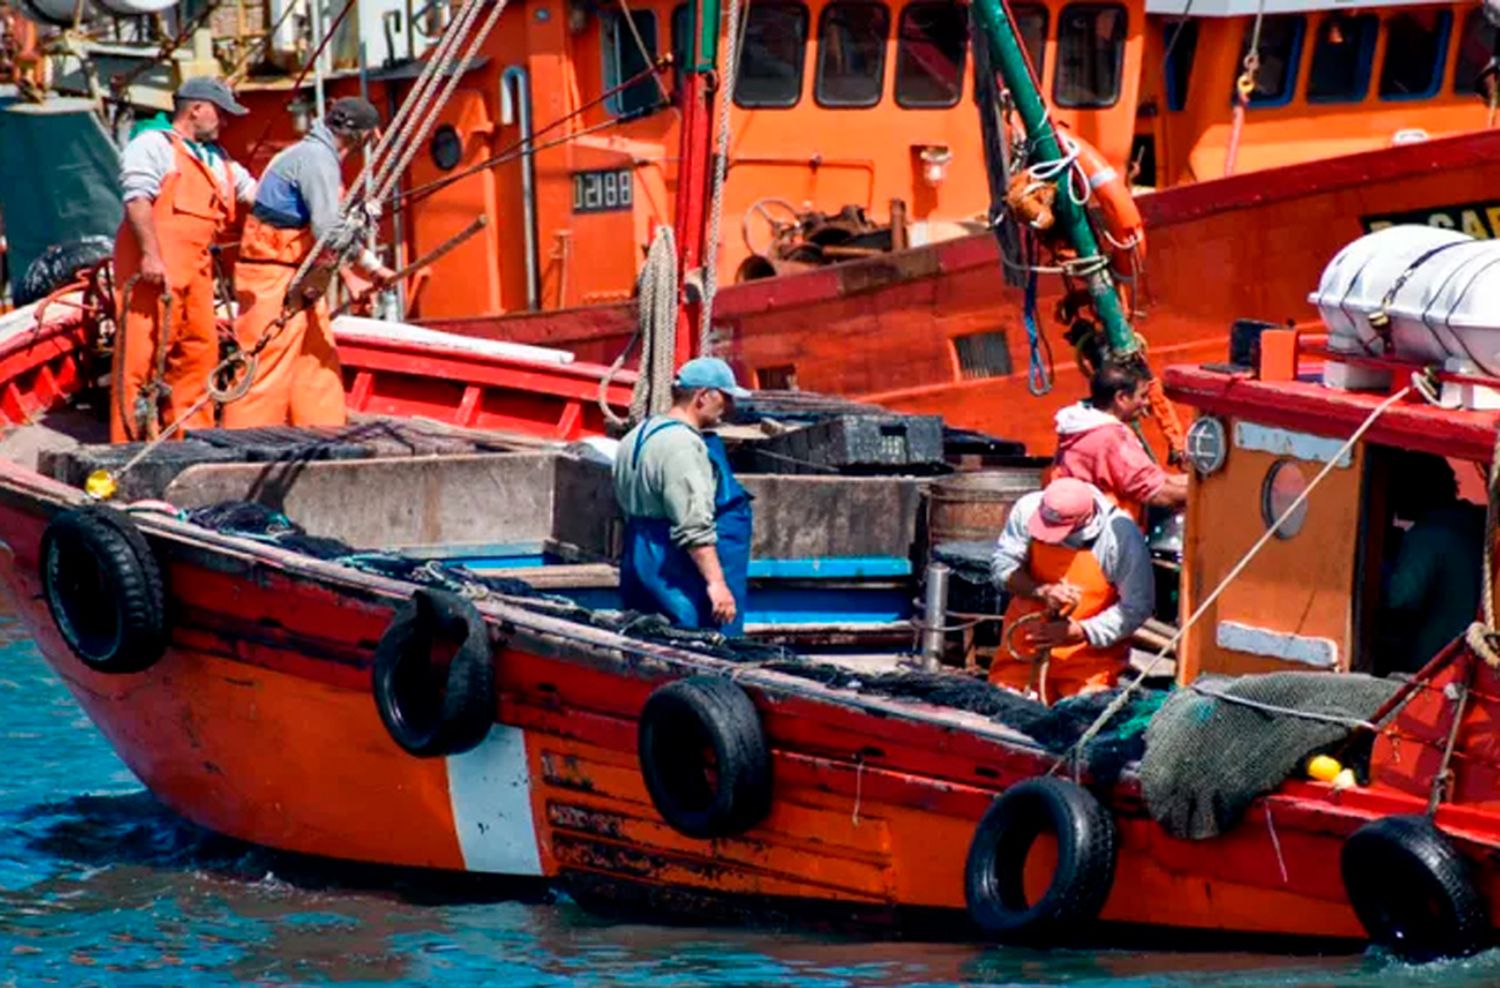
point(1483, 639)
point(721, 168)
point(656, 322)
point(418, 137)
point(1271, 708)
point(1039, 366)
point(1120, 701)
point(401, 140)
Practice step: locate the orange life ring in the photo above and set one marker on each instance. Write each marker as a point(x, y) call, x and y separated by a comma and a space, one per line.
point(1118, 213)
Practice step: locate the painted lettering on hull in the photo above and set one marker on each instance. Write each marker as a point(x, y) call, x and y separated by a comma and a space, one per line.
point(1480, 220)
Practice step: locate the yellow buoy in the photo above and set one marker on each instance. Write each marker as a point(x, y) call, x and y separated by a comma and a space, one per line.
point(100, 485)
point(1324, 768)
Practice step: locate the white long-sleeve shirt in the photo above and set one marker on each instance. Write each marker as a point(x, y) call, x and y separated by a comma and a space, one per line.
point(148, 159)
point(1116, 542)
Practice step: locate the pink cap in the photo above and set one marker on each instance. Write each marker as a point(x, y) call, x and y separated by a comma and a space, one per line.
point(1066, 504)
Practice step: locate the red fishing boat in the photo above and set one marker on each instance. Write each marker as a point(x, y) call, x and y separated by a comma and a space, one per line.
point(400, 643)
point(552, 740)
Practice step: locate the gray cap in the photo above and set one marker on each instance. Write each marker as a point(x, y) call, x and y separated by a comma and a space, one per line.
point(352, 114)
point(210, 90)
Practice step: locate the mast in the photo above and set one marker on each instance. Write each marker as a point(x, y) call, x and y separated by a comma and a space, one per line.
point(694, 165)
point(1006, 54)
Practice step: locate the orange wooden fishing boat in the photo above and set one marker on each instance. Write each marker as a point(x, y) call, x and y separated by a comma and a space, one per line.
point(561, 744)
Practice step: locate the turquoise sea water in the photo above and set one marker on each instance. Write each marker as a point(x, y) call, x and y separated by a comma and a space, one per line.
point(100, 885)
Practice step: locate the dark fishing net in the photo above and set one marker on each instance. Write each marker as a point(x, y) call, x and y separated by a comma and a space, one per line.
point(1056, 728)
point(252, 520)
point(1208, 756)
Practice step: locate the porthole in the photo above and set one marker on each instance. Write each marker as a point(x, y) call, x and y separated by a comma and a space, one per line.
point(1284, 483)
point(1207, 444)
point(447, 148)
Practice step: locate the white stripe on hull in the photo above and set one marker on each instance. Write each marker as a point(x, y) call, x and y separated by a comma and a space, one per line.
point(490, 788)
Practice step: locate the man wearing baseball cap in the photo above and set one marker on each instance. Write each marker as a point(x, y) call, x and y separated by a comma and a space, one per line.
point(181, 192)
point(297, 378)
point(687, 519)
point(1079, 575)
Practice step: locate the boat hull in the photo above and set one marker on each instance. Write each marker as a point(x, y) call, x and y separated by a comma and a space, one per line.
point(260, 723)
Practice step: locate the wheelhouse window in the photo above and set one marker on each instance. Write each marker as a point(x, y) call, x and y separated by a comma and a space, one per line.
point(1345, 48)
point(933, 41)
point(682, 41)
point(627, 54)
point(1280, 51)
point(1090, 55)
point(1474, 50)
point(1416, 50)
point(851, 54)
point(1181, 41)
point(1031, 21)
point(773, 54)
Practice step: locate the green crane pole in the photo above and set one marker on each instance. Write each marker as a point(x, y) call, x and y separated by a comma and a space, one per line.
point(1006, 54)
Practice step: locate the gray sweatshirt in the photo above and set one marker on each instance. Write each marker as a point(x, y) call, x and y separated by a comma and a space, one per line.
point(672, 478)
point(1122, 553)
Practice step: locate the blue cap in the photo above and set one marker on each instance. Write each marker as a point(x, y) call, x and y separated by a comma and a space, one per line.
point(210, 90)
point(709, 372)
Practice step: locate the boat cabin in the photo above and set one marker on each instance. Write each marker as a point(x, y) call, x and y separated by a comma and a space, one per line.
point(1333, 79)
point(1316, 597)
point(859, 110)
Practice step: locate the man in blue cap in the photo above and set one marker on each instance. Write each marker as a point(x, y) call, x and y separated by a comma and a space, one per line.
point(687, 520)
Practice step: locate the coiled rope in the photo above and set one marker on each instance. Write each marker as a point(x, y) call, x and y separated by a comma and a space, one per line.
point(656, 319)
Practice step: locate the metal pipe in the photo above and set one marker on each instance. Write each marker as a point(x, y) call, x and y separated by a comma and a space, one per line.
point(934, 615)
point(516, 109)
point(317, 30)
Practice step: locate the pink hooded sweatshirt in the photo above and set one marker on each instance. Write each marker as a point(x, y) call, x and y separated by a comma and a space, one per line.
point(1096, 447)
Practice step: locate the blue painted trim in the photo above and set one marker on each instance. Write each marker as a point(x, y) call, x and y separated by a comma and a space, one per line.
point(830, 568)
point(787, 606)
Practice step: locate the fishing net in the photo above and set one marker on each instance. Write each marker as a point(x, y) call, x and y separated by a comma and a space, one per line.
point(252, 520)
point(1207, 756)
point(1056, 728)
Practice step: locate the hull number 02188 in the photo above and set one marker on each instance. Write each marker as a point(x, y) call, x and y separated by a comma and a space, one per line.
point(602, 191)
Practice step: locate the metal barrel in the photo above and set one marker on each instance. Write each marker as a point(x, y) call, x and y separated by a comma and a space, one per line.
point(973, 507)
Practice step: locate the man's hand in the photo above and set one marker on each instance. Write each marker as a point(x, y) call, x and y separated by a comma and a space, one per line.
point(1055, 634)
point(382, 277)
point(1060, 597)
point(153, 269)
point(722, 601)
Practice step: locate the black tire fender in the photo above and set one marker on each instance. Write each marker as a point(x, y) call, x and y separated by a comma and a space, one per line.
point(994, 873)
point(61, 264)
point(430, 708)
point(1412, 890)
point(104, 589)
point(704, 757)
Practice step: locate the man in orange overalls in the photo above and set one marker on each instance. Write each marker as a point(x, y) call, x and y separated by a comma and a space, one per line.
point(297, 380)
point(1079, 575)
point(180, 196)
